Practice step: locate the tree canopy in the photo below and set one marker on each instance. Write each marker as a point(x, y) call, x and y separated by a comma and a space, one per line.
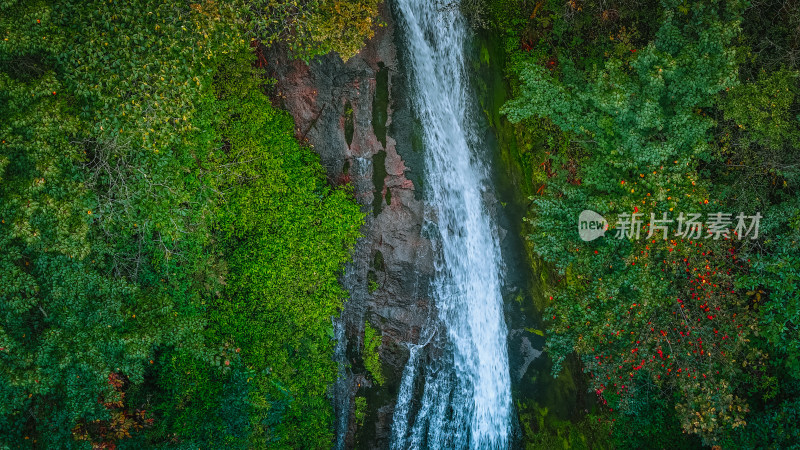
point(170, 252)
point(657, 115)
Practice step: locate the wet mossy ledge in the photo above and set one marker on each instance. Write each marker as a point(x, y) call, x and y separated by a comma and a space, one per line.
point(380, 103)
point(378, 180)
point(553, 412)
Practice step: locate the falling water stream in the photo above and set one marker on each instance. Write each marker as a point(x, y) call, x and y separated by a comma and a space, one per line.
point(458, 394)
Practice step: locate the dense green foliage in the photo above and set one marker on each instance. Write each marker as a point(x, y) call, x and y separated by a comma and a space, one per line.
point(315, 27)
point(285, 238)
point(372, 362)
point(674, 107)
point(170, 251)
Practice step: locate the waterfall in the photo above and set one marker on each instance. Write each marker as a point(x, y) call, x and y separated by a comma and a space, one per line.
point(465, 400)
point(341, 389)
point(399, 428)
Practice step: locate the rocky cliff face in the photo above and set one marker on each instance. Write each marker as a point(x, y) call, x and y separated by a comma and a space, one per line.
point(357, 118)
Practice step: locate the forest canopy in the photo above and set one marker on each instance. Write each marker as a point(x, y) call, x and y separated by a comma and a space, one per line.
point(629, 108)
point(170, 251)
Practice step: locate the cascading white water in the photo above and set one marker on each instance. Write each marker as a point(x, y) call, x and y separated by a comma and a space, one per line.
point(466, 396)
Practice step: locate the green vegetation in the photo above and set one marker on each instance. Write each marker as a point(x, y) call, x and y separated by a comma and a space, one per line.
point(313, 27)
point(360, 410)
point(170, 251)
point(380, 104)
point(542, 430)
point(372, 361)
point(664, 107)
point(379, 181)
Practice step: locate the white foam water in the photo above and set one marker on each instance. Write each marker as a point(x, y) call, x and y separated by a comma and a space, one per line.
point(465, 399)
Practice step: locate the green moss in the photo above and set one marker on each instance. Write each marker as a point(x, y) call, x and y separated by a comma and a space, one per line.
point(417, 140)
point(360, 411)
point(484, 55)
point(372, 362)
point(378, 262)
point(372, 281)
point(348, 123)
point(378, 180)
point(380, 104)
